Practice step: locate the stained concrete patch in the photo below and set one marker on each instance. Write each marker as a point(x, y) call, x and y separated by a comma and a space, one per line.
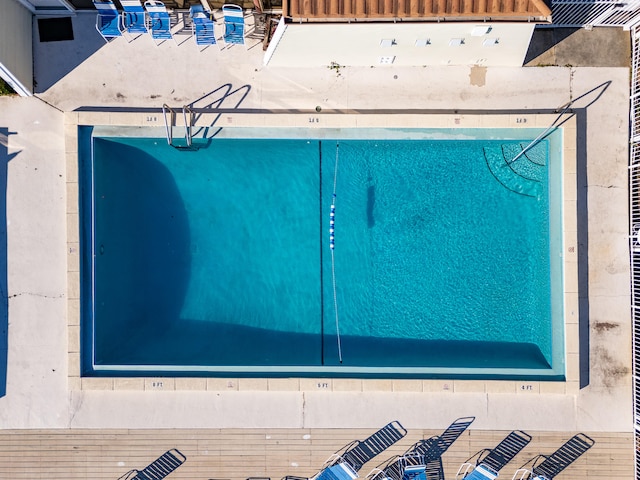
point(607, 370)
point(478, 75)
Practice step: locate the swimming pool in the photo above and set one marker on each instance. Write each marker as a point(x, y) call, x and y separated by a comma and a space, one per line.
point(447, 258)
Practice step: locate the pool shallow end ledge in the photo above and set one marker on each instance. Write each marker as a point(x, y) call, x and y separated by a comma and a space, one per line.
point(323, 121)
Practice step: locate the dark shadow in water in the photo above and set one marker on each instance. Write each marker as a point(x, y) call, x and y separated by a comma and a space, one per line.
point(371, 203)
point(190, 342)
point(398, 352)
point(5, 158)
point(142, 248)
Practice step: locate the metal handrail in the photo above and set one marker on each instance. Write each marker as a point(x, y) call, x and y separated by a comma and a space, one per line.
point(594, 13)
point(535, 141)
point(187, 124)
point(168, 129)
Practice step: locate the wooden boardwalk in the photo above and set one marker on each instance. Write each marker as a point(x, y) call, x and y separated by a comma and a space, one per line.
point(239, 454)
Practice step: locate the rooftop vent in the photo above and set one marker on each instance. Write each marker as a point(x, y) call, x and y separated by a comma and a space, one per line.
point(480, 30)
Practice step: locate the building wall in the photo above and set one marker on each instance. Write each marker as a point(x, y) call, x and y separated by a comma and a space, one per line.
point(16, 46)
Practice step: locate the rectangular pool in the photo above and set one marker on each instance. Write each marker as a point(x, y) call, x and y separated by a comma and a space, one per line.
point(447, 258)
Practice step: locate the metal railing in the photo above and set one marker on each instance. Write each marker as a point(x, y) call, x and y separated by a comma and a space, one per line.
point(169, 115)
point(634, 237)
point(600, 13)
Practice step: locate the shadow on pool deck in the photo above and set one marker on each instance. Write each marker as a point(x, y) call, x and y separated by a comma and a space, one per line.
point(582, 207)
point(5, 158)
point(579, 47)
point(53, 60)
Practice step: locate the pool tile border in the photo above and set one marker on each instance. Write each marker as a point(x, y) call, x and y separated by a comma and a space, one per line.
point(329, 120)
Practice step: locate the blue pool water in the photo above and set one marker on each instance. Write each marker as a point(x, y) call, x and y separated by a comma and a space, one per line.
point(218, 261)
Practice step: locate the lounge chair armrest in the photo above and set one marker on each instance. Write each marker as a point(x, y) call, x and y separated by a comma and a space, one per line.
point(333, 459)
point(532, 462)
point(348, 446)
point(465, 468)
point(537, 460)
point(375, 474)
point(389, 461)
point(129, 474)
point(522, 474)
point(477, 457)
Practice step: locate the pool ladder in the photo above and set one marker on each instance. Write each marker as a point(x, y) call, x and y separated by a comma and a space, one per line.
point(169, 123)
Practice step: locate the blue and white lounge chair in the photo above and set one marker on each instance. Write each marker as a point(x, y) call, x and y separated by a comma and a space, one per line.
point(547, 467)
point(158, 21)
point(339, 471)
point(159, 468)
point(347, 462)
point(133, 17)
point(489, 462)
point(429, 452)
point(233, 24)
point(423, 460)
point(357, 453)
point(203, 27)
point(107, 20)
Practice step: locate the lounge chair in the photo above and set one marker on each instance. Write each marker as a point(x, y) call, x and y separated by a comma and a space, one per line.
point(357, 453)
point(489, 462)
point(158, 21)
point(233, 24)
point(338, 471)
point(159, 468)
point(429, 452)
point(426, 454)
point(107, 20)
point(552, 465)
point(133, 17)
point(202, 26)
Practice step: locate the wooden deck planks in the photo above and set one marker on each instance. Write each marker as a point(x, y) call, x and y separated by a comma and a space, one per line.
point(239, 454)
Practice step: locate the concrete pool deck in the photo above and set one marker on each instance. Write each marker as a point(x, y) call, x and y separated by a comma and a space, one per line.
point(41, 169)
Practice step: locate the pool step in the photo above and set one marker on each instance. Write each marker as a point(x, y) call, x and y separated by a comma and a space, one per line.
point(531, 164)
point(523, 180)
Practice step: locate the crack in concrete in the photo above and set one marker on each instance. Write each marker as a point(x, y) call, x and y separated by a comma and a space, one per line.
point(40, 295)
point(75, 403)
point(571, 74)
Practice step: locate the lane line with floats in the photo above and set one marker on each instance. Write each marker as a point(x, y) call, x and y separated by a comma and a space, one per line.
point(332, 246)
